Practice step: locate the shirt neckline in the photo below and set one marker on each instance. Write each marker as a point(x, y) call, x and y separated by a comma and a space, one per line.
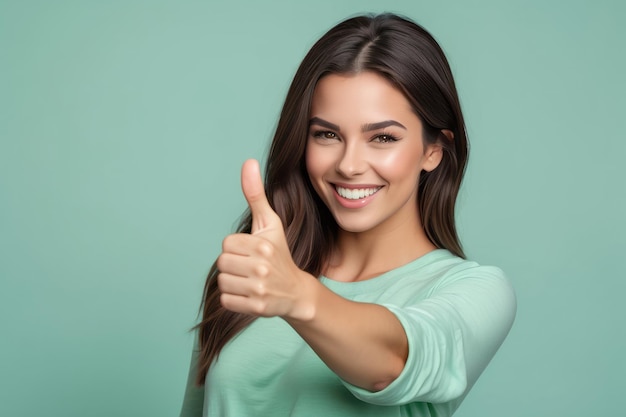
point(374, 283)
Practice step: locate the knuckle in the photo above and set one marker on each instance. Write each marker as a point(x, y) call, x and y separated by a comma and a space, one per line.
point(261, 271)
point(260, 289)
point(260, 308)
point(220, 262)
point(265, 249)
point(220, 281)
point(225, 242)
point(229, 242)
point(224, 301)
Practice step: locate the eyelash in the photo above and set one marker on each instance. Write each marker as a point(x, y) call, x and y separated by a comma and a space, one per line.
point(321, 134)
point(388, 138)
point(381, 138)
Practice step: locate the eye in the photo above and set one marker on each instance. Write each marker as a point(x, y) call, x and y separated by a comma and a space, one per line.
point(385, 138)
point(324, 134)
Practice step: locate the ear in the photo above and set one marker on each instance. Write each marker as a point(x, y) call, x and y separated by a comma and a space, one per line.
point(448, 134)
point(433, 156)
point(434, 152)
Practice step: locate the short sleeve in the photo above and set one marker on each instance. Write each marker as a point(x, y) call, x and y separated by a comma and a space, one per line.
point(452, 335)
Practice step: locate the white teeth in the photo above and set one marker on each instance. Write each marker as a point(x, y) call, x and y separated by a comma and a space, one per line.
point(356, 194)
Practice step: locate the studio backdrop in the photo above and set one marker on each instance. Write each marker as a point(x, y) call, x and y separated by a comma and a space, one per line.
point(123, 126)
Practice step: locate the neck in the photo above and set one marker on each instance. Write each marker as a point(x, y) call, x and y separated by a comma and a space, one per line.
point(364, 255)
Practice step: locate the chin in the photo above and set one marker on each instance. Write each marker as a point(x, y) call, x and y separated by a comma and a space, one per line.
point(355, 226)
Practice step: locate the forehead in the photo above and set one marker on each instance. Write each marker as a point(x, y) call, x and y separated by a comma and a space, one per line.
point(365, 95)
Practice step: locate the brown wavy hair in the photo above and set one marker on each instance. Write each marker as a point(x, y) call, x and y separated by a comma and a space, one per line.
point(410, 58)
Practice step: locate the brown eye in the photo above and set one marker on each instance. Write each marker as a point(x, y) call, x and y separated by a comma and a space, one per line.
point(325, 135)
point(385, 139)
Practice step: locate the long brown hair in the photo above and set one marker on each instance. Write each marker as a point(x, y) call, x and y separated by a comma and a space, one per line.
point(410, 58)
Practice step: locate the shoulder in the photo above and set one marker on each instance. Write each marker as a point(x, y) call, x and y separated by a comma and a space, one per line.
point(443, 266)
point(483, 290)
point(449, 274)
point(467, 270)
point(447, 268)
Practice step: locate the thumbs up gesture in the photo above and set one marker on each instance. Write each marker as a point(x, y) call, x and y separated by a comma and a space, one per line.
point(257, 273)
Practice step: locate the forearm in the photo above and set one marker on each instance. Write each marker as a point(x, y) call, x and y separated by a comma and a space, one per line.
point(363, 343)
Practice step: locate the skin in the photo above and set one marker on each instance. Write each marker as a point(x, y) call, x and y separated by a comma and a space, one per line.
point(348, 145)
point(391, 157)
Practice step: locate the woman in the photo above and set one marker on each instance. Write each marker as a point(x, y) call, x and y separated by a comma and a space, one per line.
point(346, 291)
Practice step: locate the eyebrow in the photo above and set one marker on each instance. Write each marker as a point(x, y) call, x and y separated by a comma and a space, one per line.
point(381, 125)
point(367, 127)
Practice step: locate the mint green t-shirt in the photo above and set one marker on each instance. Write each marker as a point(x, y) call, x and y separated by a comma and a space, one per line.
point(456, 314)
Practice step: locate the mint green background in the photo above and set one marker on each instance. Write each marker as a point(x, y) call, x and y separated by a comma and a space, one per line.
point(123, 125)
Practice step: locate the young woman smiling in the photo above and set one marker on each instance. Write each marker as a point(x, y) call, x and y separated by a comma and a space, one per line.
point(345, 291)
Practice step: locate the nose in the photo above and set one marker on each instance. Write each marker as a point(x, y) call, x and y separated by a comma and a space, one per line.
point(351, 161)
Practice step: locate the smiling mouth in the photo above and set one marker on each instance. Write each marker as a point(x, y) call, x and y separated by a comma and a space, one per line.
point(356, 193)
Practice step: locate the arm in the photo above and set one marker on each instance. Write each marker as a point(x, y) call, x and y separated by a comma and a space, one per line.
point(448, 338)
point(453, 334)
point(364, 344)
point(440, 343)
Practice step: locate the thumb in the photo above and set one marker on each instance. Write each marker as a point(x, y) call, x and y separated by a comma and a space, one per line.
point(263, 216)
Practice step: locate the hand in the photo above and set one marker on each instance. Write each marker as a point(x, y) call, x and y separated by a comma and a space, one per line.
point(257, 274)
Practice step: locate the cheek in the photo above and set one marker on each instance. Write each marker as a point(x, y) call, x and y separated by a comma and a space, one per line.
point(313, 166)
point(316, 163)
point(315, 172)
point(402, 163)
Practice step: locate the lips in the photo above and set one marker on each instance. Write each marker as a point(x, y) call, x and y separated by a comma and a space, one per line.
point(356, 193)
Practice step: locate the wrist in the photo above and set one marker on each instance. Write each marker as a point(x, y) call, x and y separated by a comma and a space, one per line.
point(305, 304)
